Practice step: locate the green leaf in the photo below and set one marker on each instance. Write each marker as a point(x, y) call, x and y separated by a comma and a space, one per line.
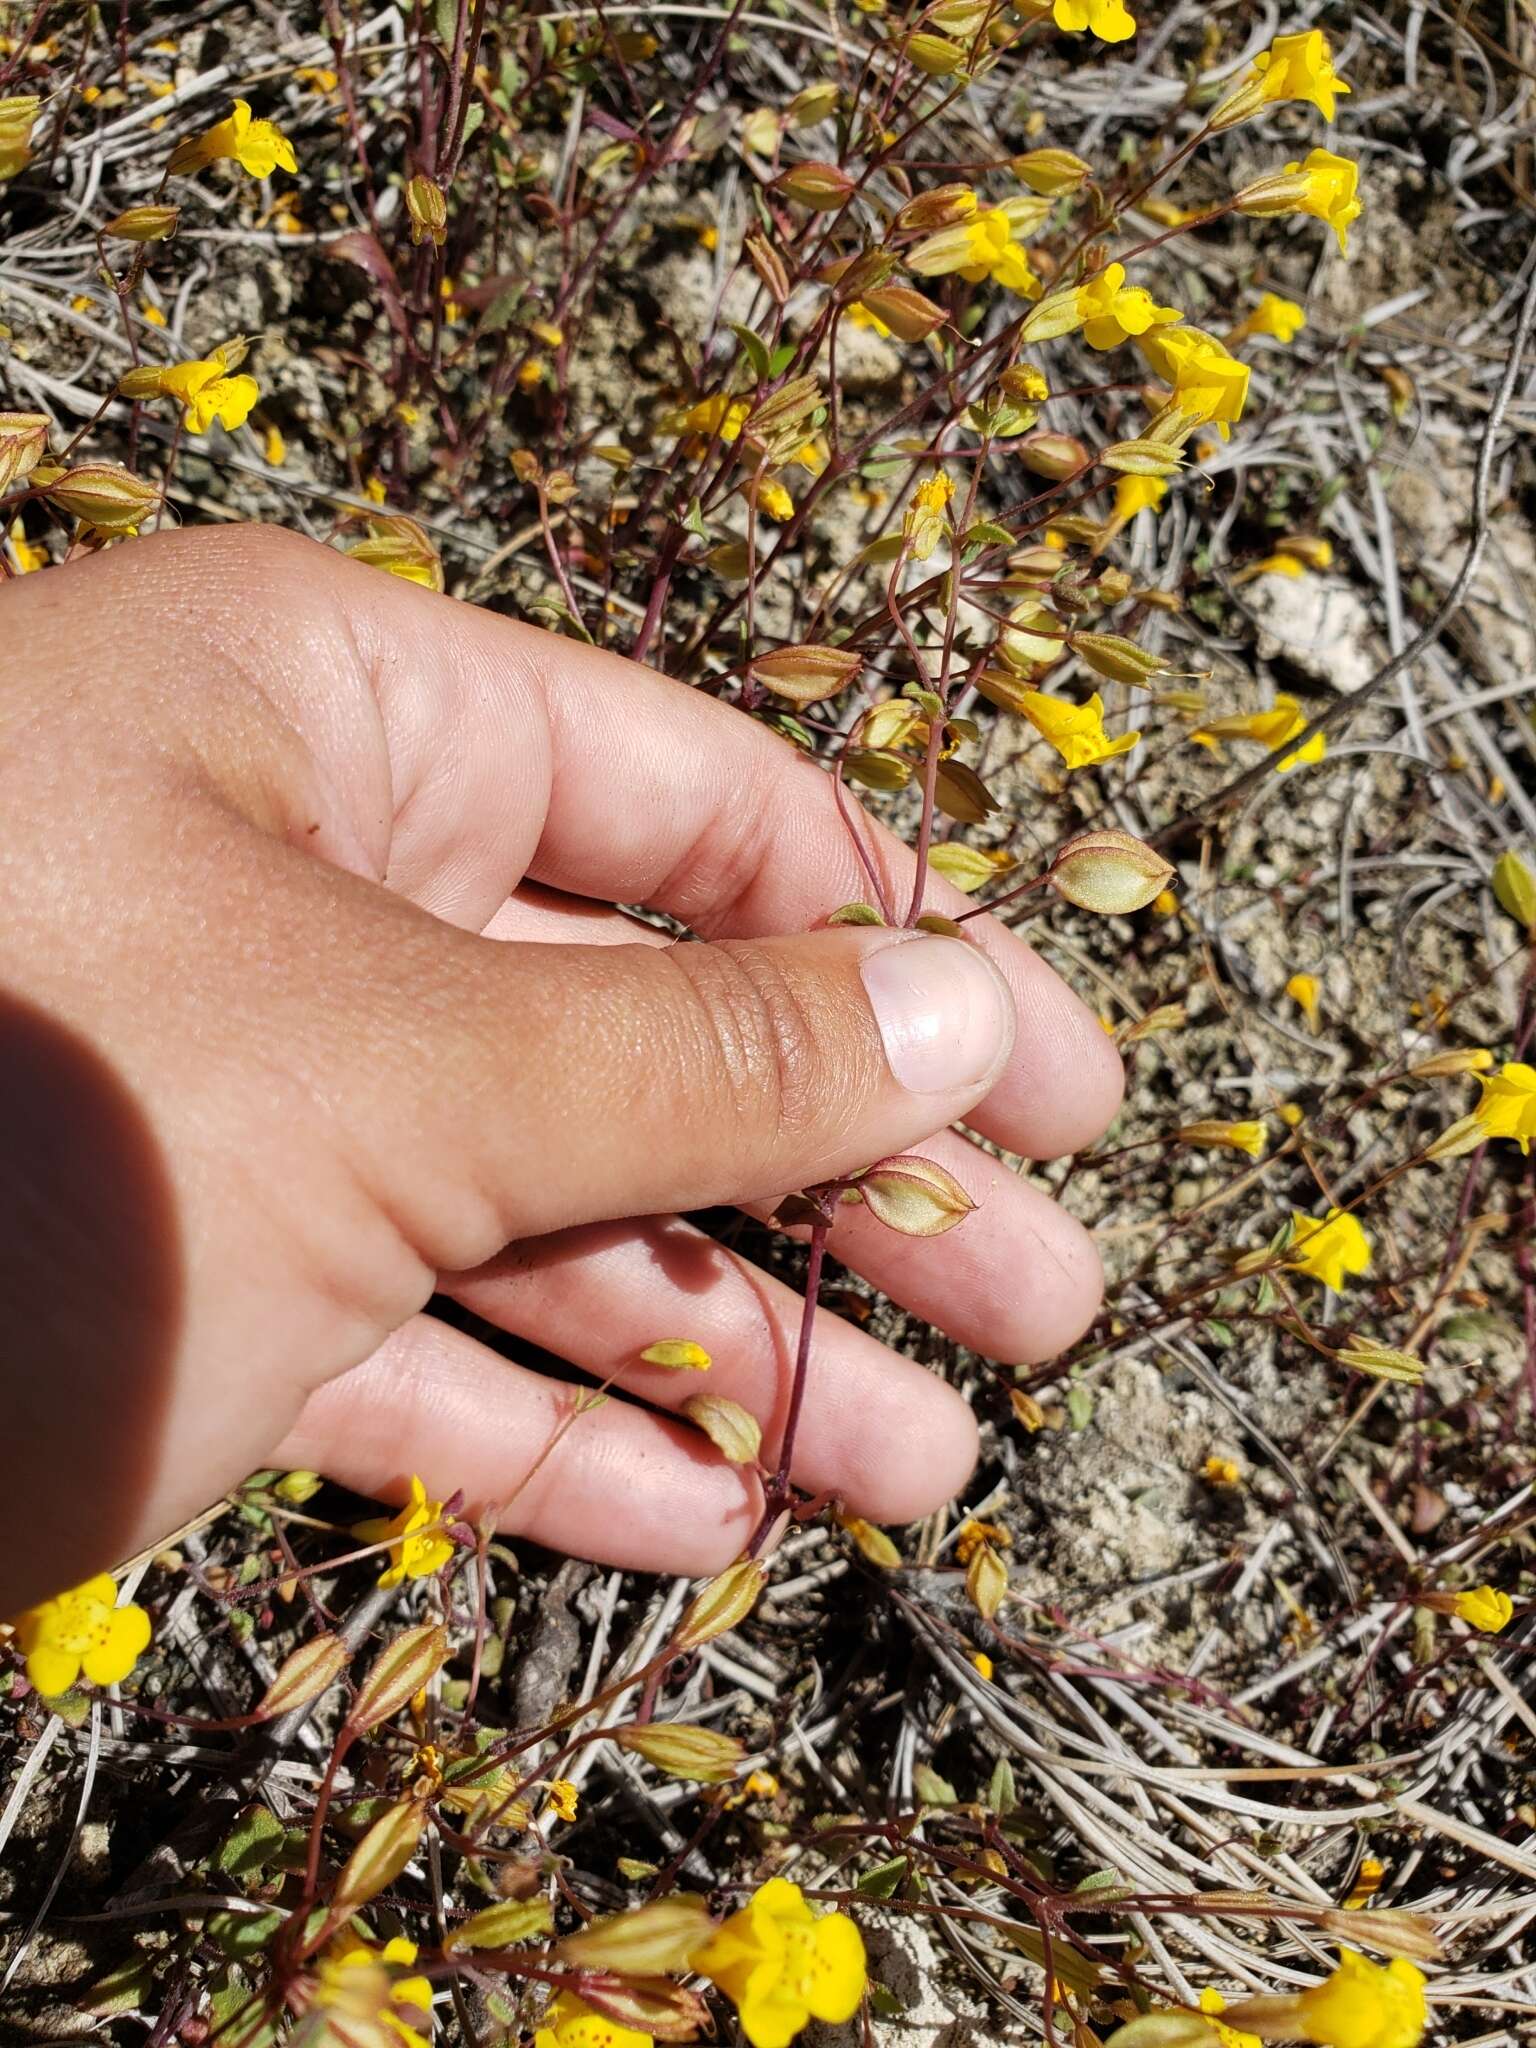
point(242, 1935)
point(1079, 1406)
point(931, 1789)
point(250, 1844)
point(883, 1881)
point(1002, 1794)
point(781, 359)
point(756, 349)
point(473, 119)
point(122, 1990)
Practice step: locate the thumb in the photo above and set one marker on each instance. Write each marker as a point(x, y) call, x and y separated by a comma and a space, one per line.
point(567, 1084)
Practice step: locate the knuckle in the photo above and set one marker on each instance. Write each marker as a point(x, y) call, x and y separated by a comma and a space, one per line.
point(761, 1036)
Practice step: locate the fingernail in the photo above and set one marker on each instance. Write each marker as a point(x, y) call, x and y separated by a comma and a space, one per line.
point(943, 1011)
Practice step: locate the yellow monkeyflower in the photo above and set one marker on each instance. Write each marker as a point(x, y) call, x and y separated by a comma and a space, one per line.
point(1279, 319)
point(207, 393)
point(1327, 1248)
point(1485, 1608)
point(1135, 494)
point(1212, 2004)
point(1365, 2005)
point(1076, 731)
point(718, 415)
point(1324, 186)
point(1109, 19)
point(412, 1555)
point(782, 1967)
point(773, 499)
point(1367, 1883)
point(984, 246)
point(28, 555)
point(1210, 385)
point(569, 2022)
point(1270, 728)
point(360, 1983)
point(83, 1630)
point(1214, 1135)
point(1300, 67)
point(1111, 311)
point(972, 1534)
point(1508, 1105)
point(563, 1798)
point(257, 146)
point(1304, 991)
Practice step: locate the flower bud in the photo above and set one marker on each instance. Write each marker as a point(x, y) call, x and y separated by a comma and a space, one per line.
point(401, 548)
point(1214, 1135)
point(934, 55)
point(1051, 455)
point(1514, 887)
point(1118, 659)
point(684, 1751)
point(815, 103)
point(105, 496)
point(914, 1196)
point(1471, 1059)
point(806, 674)
point(1381, 1362)
point(144, 224)
point(1109, 873)
point(145, 380)
point(820, 186)
point(1023, 380)
point(678, 1354)
point(909, 316)
point(940, 208)
point(1114, 586)
point(723, 1603)
point(23, 438)
point(986, 1581)
point(1143, 458)
point(768, 264)
point(968, 868)
point(876, 768)
point(1051, 170)
point(427, 205)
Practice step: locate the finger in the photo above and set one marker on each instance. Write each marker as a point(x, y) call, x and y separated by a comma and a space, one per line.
point(615, 1483)
point(886, 1436)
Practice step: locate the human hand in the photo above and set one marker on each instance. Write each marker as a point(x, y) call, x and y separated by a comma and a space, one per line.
point(311, 1006)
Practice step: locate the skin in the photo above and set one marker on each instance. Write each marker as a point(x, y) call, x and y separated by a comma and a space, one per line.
point(312, 1007)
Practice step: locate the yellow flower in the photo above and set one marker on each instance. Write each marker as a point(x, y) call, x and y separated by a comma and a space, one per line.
point(1212, 2003)
point(718, 415)
point(569, 2022)
point(1216, 1136)
point(773, 499)
point(1209, 384)
point(257, 146)
point(1304, 990)
point(1111, 311)
point(208, 393)
point(1508, 1105)
point(563, 1798)
point(412, 1556)
point(1300, 67)
point(1108, 19)
point(934, 493)
point(1076, 731)
point(782, 1967)
point(1220, 1472)
point(971, 1535)
point(1325, 187)
point(1328, 1248)
point(983, 246)
point(1270, 728)
point(82, 1630)
point(1135, 494)
point(28, 555)
point(274, 449)
point(361, 1983)
point(1365, 2005)
point(1280, 319)
point(1367, 1883)
point(1485, 1608)
point(982, 1663)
